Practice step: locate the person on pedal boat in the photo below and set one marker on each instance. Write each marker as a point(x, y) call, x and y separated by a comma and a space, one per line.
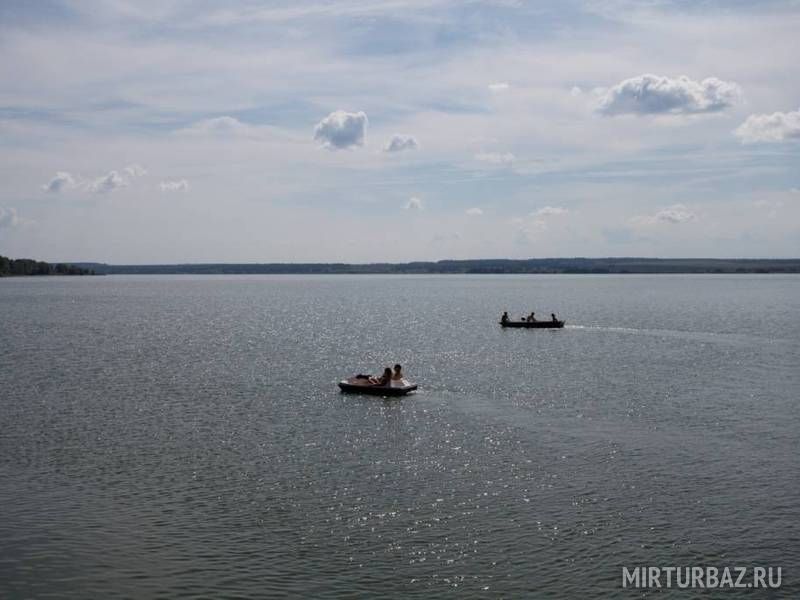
point(398, 379)
point(384, 379)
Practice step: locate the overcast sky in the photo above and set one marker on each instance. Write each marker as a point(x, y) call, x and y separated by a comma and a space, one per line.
point(174, 131)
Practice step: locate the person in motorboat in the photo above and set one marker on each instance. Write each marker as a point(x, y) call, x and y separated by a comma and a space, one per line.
point(398, 380)
point(553, 316)
point(504, 318)
point(531, 318)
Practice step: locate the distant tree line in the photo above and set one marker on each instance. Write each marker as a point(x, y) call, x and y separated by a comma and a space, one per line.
point(26, 266)
point(478, 266)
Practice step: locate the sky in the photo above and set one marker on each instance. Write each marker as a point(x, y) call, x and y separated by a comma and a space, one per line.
point(398, 130)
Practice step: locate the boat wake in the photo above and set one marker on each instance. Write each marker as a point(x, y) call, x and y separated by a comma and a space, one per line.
point(701, 336)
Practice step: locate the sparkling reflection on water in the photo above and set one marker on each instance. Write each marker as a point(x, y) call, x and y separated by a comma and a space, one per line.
point(183, 436)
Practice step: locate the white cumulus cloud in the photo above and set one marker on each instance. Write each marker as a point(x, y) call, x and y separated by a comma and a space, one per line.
point(777, 127)
point(671, 215)
point(652, 94)
point(61, 181)
point(496, 158)
point(474, 212)
point(498, 87)
point(114, 180)
point(413, 203)
point(108, 183)
point(399, 142)
point(341, 130)
point(677, 213)
point(8, 218)
point(178, 185)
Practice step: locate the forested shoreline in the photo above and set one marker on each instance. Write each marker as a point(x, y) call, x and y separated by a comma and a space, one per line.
point(21, 267)
point(620, 265)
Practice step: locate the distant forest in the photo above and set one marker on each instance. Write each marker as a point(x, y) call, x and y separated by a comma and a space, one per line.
point(26, 266)
point(482, 266)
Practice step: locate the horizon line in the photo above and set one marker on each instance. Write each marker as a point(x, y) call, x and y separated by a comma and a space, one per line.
point(430, 261)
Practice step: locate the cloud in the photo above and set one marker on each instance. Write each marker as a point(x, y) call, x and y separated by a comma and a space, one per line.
point(575, 91)
point(114, 180)
point(108, 183)
point(677, 213)
point(223, 126)
point(652, 94)
point(526, 229)
point(134, 171)
point(61, 181)
point(399, 142)
point(9, 218)
point(414, 203)
point(542, 215)
point(341, 130)
point(498, 87)
point(549, 211)
point(179, 185)
point(496, 158)
point(474, 212)
point(777, 127)
point(671, 215)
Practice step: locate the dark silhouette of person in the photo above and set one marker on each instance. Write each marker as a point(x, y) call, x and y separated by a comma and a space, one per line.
point(386, 378)
point(504, 318)
point(398, 379)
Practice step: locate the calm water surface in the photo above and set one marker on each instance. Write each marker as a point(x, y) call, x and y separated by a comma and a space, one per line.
point(183, 436)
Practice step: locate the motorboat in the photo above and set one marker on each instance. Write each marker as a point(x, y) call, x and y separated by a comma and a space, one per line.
point(533, 324)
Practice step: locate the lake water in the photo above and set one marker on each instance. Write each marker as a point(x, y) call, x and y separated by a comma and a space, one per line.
point(184, 437)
